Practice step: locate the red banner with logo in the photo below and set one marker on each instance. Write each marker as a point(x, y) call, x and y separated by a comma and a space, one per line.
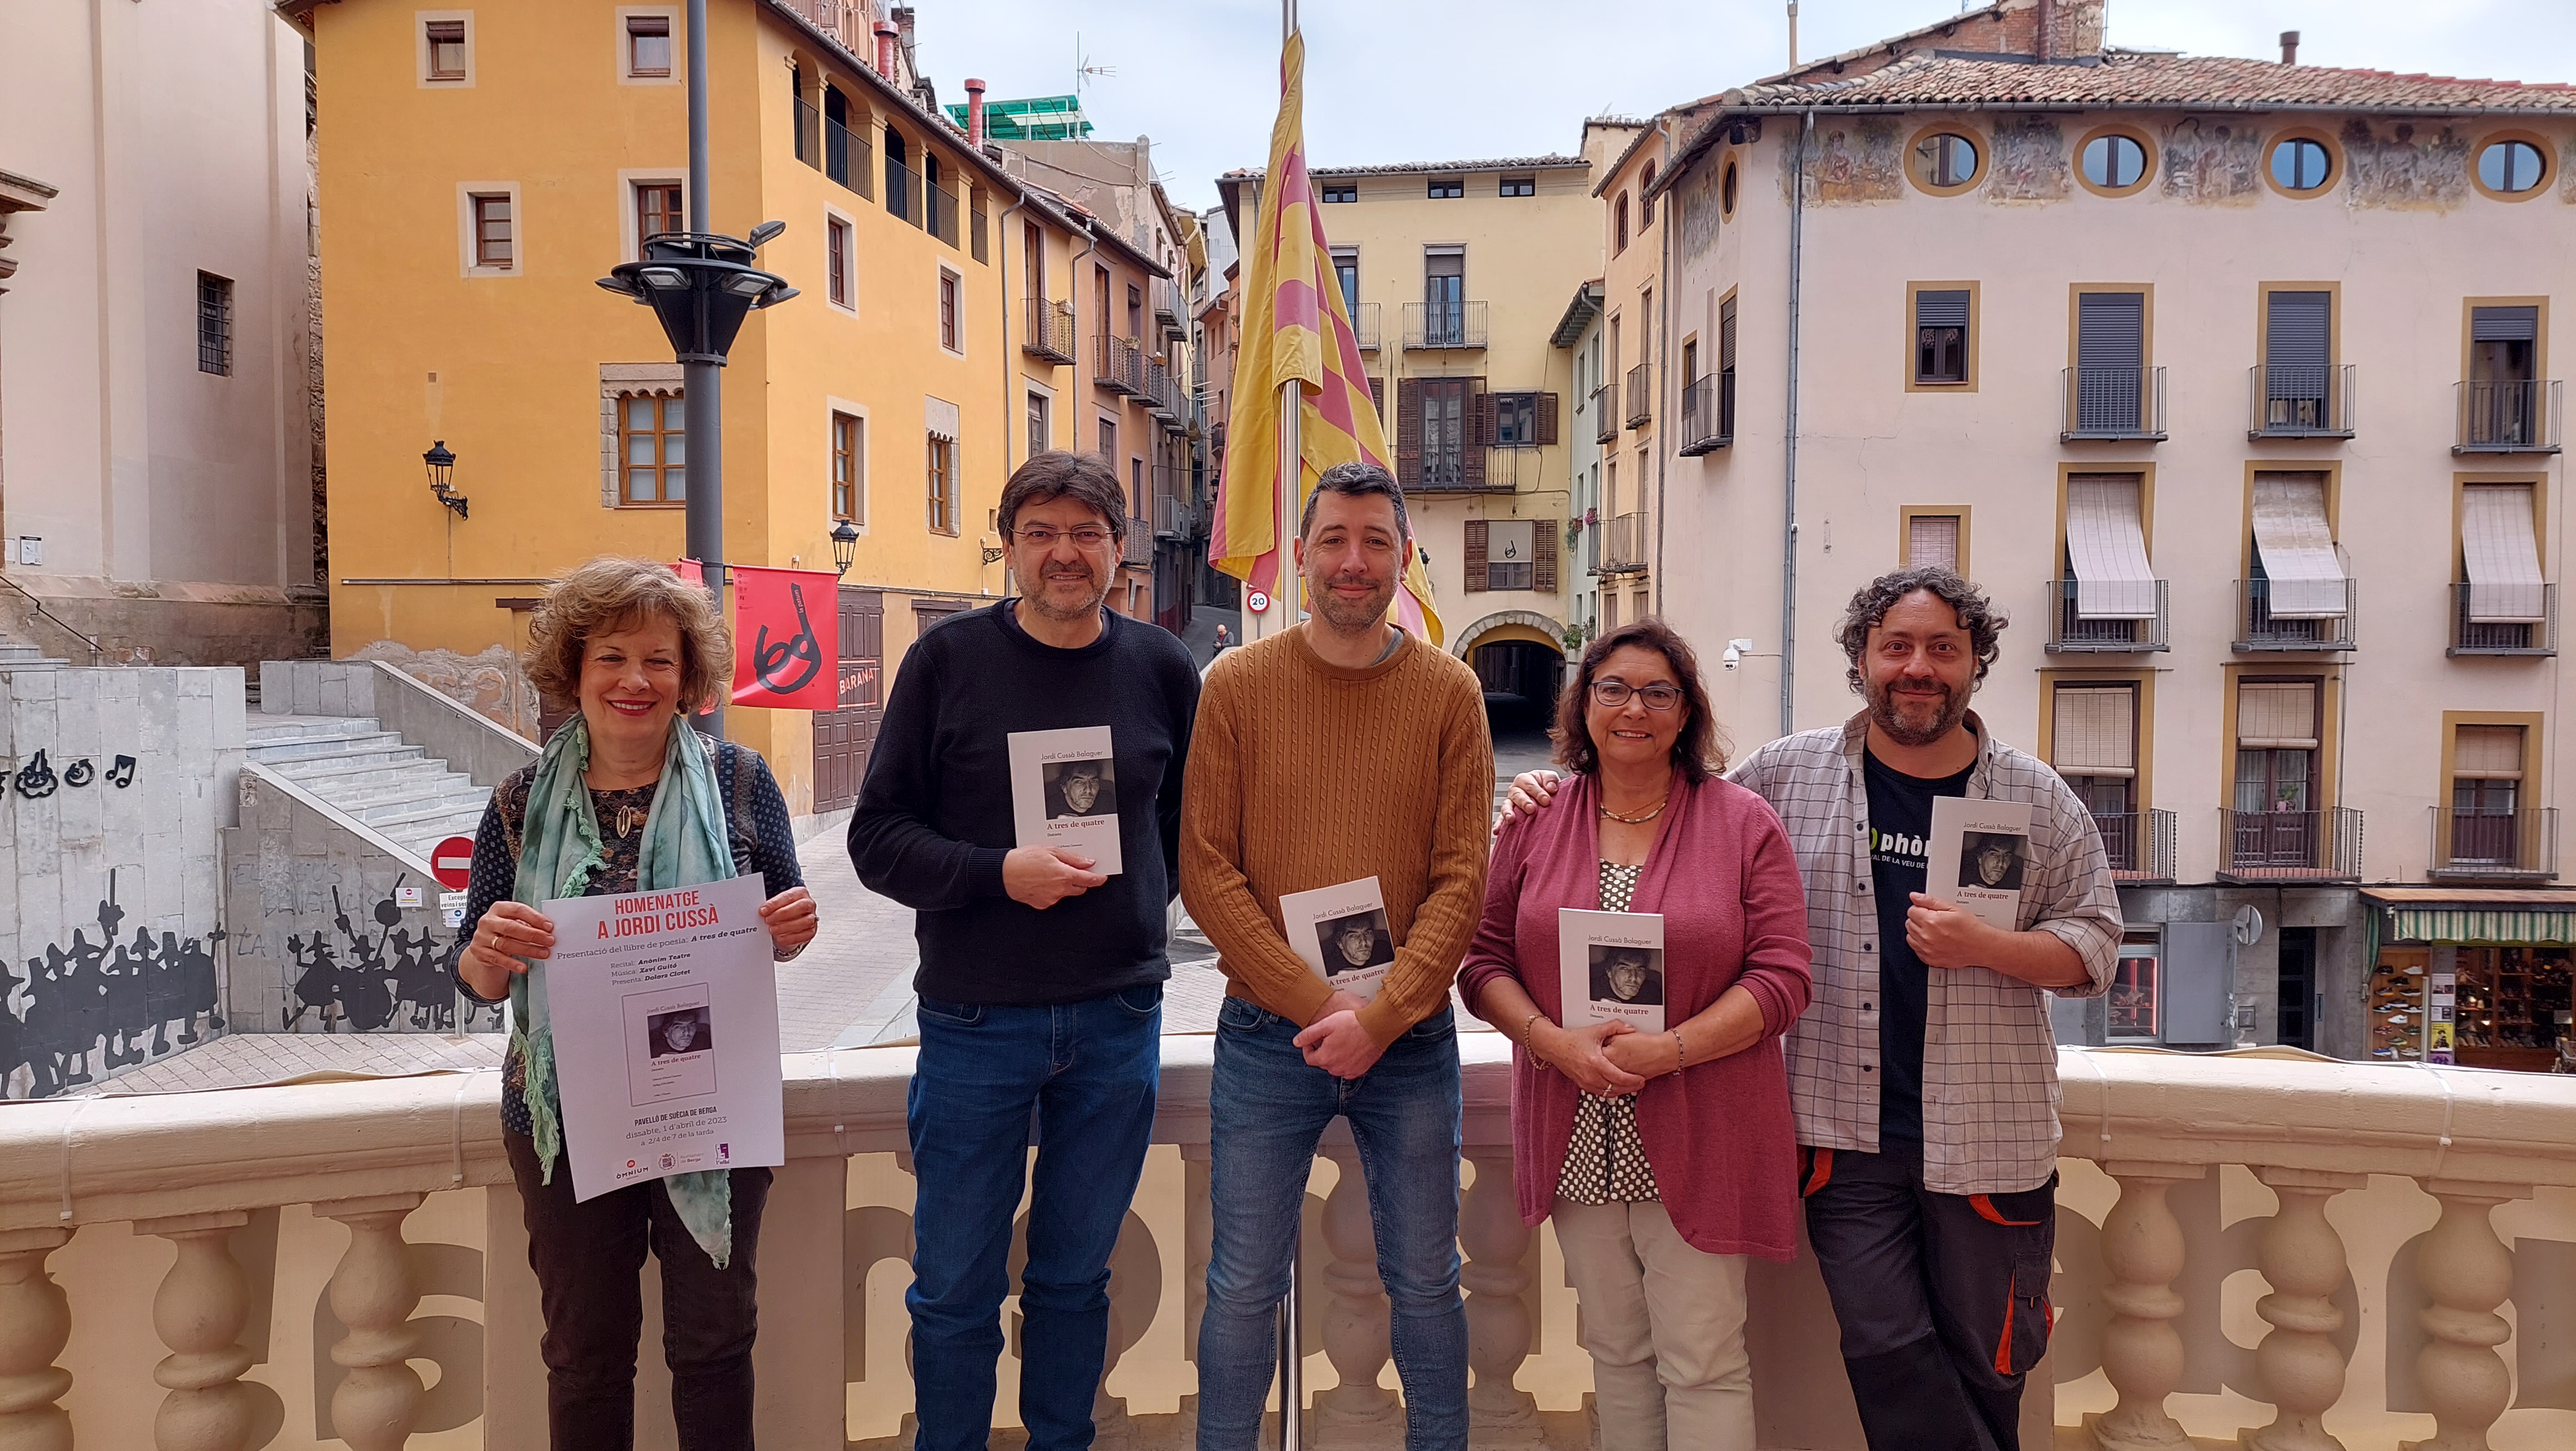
point(786, 638)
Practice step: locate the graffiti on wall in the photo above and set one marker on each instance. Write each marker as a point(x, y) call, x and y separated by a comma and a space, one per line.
point(97, 1003)
point(366, 979)
point(2406, 167)
point(36, 779)
point(2030, 163)
point(2212, 161)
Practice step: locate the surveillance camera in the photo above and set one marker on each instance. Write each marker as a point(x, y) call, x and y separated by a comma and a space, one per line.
point(1732, 655)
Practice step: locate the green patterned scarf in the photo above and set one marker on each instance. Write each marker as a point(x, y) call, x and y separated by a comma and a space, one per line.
point(560, 849)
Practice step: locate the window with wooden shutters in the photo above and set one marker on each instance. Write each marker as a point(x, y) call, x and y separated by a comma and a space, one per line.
point(1443, 409)
point(1544, 556)
point(495, 239)
point(444, 45)
point(2276, 766)
point(1377, 399)
point(1472, 572)
point(1479, 435)
point(848, 458)
point(2093, 743)
point(1408, 432)
point(2486, 793)
point(2110, 361)
point(1543, 415)
point(1941, 336)
point(1726, 368)
point(657, 210)
point(1511, 551)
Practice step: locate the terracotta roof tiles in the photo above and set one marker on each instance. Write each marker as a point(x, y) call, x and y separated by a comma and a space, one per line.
point(2159, 82)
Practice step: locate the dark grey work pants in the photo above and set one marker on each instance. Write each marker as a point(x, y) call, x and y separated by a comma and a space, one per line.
point(1943, 1298)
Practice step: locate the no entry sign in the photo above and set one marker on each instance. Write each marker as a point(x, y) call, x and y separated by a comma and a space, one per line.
point(452, 862)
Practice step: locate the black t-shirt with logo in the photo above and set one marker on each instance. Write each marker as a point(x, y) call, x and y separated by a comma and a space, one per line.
point(1900, 839)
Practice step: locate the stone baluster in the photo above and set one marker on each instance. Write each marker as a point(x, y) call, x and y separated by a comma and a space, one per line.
point(2468, 1272)
point(199, 1312)
point(1358, 1411)
point(35, 1324)
point(2142, 1249)
point(1497, 1278)
point(373, 1293)
point(2303, 1258)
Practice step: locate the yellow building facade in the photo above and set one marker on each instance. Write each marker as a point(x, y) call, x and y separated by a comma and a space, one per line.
point(481, 168)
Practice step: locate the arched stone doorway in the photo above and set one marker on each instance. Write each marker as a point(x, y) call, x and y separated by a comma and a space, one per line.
point(1519, 656)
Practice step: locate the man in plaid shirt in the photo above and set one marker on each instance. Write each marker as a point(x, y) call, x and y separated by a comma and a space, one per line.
point(1924, 1073)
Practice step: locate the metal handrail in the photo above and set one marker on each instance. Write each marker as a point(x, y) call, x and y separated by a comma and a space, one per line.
point(2258, 629)
point(2509, 416)
point(1049, 333)
point(1640, 396)
point(1705, 426)
point(1459, 324)
point(97, 651)
point(2301, 400)
point(1605, 412)
point(2503, 637)
point(848, 160)
point(2069, 631)
point(2278, 844)
point(2112, 403)
point(2519, 843)
point(2138, 844)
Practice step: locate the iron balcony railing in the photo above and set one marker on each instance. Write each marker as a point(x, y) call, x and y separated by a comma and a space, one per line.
point(1457, 324)
point(2519, 416)
point(940, 208)
point(1641, 396)
point(2519, 844)
point(2071, 632)
point(1139, 545)
point(903, 191)
point(847, 159)
point(2258, 629)
point(2515, 637)
point(1708, 414)
point(2301, 400)
point(809, 133)
point(1157, 389)
point(1049, 334)
point(1624, 544)
point(1168, 312)
point(1605, 413)
point(979, 230)
point(2113, 403)
point(2140, 844)
point(1116, 364)
point(1511, 468)
point(2290, 845)
point(1364, 322)
point(1174, 516)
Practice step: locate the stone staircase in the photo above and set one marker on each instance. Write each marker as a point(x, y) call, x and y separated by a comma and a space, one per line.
point(355, 765)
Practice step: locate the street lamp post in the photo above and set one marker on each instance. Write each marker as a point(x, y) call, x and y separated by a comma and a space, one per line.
point(701, 284)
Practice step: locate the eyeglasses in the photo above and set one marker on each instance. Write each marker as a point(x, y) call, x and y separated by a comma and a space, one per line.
point(1615, 693)
point(1039, 536)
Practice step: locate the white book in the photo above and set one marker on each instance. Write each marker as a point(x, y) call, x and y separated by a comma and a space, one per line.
point(1342, 934)
point(1610, 965)
point(1980, 853)
point(1064, 793)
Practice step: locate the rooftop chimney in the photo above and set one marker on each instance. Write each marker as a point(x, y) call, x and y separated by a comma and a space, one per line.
point(2289, 47)
point(975, 113)
point(885, 50)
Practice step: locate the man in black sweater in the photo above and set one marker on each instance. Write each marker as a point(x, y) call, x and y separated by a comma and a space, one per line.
point(1041, 978)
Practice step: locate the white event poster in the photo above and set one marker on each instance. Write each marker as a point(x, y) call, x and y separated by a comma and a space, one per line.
point(1610, 965)
point(1064, 793)
point(664, 1008)
point(1980, 853)
point(1342, 934)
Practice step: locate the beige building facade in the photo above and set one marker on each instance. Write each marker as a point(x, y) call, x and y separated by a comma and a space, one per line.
point(2231, 381)
point(158, 469)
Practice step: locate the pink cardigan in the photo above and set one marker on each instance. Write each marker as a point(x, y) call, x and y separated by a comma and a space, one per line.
point(1718, 1134)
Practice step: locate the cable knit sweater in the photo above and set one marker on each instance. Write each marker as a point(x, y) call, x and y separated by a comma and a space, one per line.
point(1305, 775)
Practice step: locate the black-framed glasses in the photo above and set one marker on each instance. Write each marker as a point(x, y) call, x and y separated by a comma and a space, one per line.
point(1614, 694)
point(1040, 536)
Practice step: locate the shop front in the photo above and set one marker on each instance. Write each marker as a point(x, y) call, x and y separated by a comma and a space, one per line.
point(2476, 978)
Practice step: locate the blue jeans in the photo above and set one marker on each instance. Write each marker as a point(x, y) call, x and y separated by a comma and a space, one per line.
point(1088, 1071)
point(1267, 1111)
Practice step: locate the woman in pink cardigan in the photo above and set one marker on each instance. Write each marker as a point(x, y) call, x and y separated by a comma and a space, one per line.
point(1667, 1158)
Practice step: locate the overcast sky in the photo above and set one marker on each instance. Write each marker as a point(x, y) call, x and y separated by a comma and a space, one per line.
point(1437, 80)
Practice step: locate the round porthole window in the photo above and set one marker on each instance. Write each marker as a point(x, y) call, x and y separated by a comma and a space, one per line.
point(2114, 162)
point(2511, 168)
point(1726, 189)
point(1943, 163)
point(2301, 165)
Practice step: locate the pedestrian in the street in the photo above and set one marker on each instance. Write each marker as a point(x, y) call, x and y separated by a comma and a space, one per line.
point(1930, 1178)
point(1041, 979)
point(1667, 1159)
point(1338, 749)
point(627, 797)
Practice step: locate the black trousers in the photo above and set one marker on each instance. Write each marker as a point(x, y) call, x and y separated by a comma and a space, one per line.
point(589, 1258)
point(1943, 1298)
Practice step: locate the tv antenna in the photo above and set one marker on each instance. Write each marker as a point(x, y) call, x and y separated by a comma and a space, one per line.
point(1084, 70)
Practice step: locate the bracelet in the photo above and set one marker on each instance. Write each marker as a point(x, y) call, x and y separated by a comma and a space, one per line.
point(1681, 1052)
point(1526, 1024)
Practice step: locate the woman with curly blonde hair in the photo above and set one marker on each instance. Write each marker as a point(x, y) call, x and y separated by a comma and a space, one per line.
point(626, 797)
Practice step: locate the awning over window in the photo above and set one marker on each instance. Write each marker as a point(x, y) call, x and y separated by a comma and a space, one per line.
point(2297, 548)
point(2501, 915)
point(2106, 541)
point(2095, 731)
point(2502, 554)
point(2276, 715)
point(939, 418)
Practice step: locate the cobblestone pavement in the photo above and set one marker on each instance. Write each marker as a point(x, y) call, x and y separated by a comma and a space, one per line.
point(852, 987)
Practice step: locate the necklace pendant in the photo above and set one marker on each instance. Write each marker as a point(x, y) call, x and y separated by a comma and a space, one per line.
point(625, 821)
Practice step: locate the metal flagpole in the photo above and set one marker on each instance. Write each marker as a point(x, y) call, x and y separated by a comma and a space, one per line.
point(1281, 614)
point(702, 383)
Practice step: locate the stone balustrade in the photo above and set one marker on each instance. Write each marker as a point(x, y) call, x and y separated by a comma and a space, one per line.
point(2266, 1250)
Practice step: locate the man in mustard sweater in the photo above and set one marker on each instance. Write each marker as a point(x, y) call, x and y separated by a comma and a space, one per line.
point(1340, 749)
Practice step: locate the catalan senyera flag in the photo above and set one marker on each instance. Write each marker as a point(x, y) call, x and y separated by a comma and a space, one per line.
point(1295, 327)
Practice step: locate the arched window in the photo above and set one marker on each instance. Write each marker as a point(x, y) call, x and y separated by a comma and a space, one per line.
point(1619, 226)
point(1646, 197)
